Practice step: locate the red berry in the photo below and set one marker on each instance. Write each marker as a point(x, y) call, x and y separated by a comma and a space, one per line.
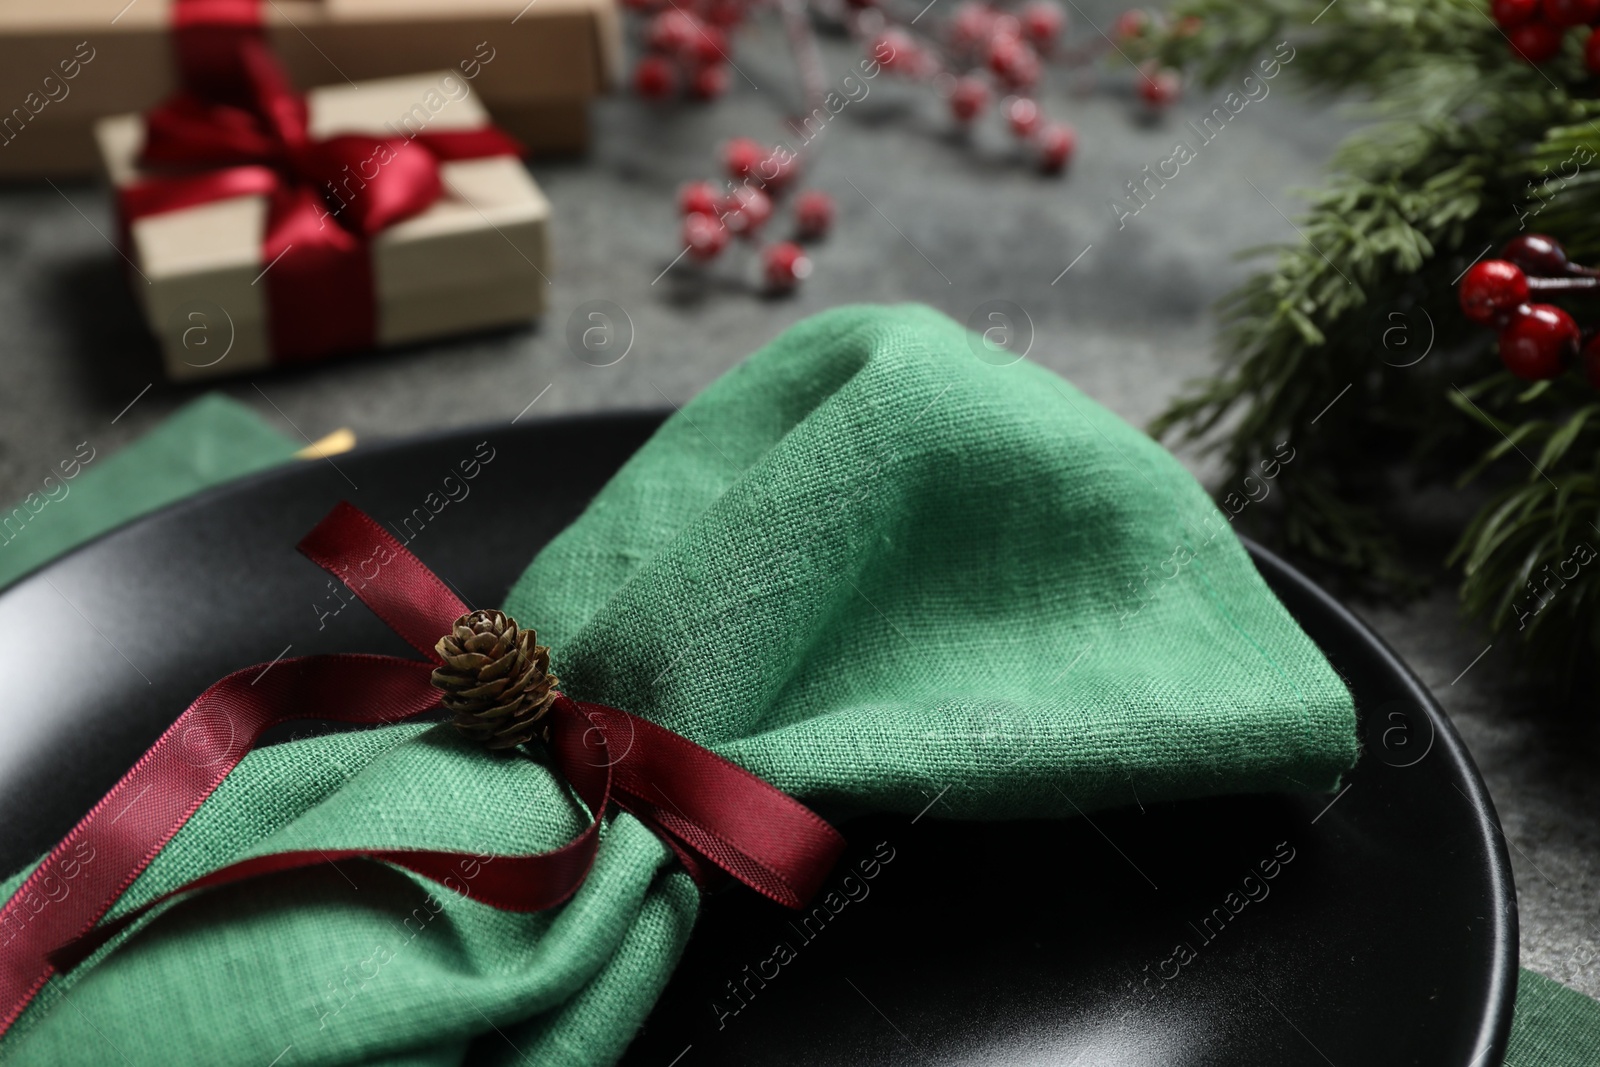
point(971, 25)
point(1023, 115)
point(1043, 22)
point(672, 31)
point(1535, 41)
point(777, 169)
point(813, 214)
point(1591, 360)
point(1538, 341)
point(698, 198)
point(785, 265)
point(1492, 290)
point(746, 210)
point(1509, 13)
point(654, 78)
point(1591, 52)
point(968, 97)
point(1013, 60)
point(896, 51)
point(1005, 25)
point(1564, 13)
point(1159, 87)
point(1002, 50)
point(1056, 142)
point(741, 155)
point(1188, 26)
point(1131, 25)
point(709, 46)
point(705, 236)
point(709, 82)
point(1540, 256)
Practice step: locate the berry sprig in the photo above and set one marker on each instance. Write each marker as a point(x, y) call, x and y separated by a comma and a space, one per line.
point(1536, 28)
point(986, 53)
point(982, 54)
point(685, 49)
point(990, 55)
point(1537, 340)
point(983, 57)
point(743, 207)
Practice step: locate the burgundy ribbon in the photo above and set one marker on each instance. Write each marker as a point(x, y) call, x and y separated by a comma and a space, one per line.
point(715, 816)
point(238, 128)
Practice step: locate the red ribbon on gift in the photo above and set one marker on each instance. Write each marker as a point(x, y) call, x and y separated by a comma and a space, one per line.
point(717, 817)
point(238, 128)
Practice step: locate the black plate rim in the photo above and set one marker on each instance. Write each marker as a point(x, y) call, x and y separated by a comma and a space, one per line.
point(1494, 1031)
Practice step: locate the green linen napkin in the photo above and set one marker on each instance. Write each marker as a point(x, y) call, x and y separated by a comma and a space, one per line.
point(866, 564)
point(206, 442)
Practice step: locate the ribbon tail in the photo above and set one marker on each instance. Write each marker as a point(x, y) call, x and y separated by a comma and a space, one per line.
point(84, 875)
point(401, 590)
point(522, 883)
point(60, 905)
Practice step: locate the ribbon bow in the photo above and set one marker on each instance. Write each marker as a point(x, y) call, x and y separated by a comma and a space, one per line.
point(715, 816)
point(238, 128)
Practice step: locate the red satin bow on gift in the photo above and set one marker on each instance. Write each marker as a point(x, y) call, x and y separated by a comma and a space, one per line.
point(716, 816)
point(237, 128)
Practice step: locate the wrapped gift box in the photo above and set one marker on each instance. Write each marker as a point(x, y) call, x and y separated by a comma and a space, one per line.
point(66, 63)
point(476, 258)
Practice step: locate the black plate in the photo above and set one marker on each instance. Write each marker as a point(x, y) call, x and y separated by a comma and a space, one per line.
point(1390, 937)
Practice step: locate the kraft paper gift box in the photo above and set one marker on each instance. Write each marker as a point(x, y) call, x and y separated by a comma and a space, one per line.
point(477, 258)
point(66, 63)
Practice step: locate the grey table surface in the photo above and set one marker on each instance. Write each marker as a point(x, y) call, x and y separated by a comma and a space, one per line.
point(923, 217)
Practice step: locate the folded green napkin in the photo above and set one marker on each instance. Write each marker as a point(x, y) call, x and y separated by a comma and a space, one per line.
point(206, 442)
point(866, 564)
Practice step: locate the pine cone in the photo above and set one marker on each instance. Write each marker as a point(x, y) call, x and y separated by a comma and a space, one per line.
point(495, 679)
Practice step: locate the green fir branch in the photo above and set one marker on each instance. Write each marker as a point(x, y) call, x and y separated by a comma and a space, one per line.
point(1472, 146)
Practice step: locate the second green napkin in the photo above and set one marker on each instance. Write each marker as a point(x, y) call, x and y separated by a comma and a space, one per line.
point(205, 443)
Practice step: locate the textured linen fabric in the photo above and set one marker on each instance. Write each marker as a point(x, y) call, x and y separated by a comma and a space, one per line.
point(1554, 1026)
point(206, 442)
point(868, 565)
